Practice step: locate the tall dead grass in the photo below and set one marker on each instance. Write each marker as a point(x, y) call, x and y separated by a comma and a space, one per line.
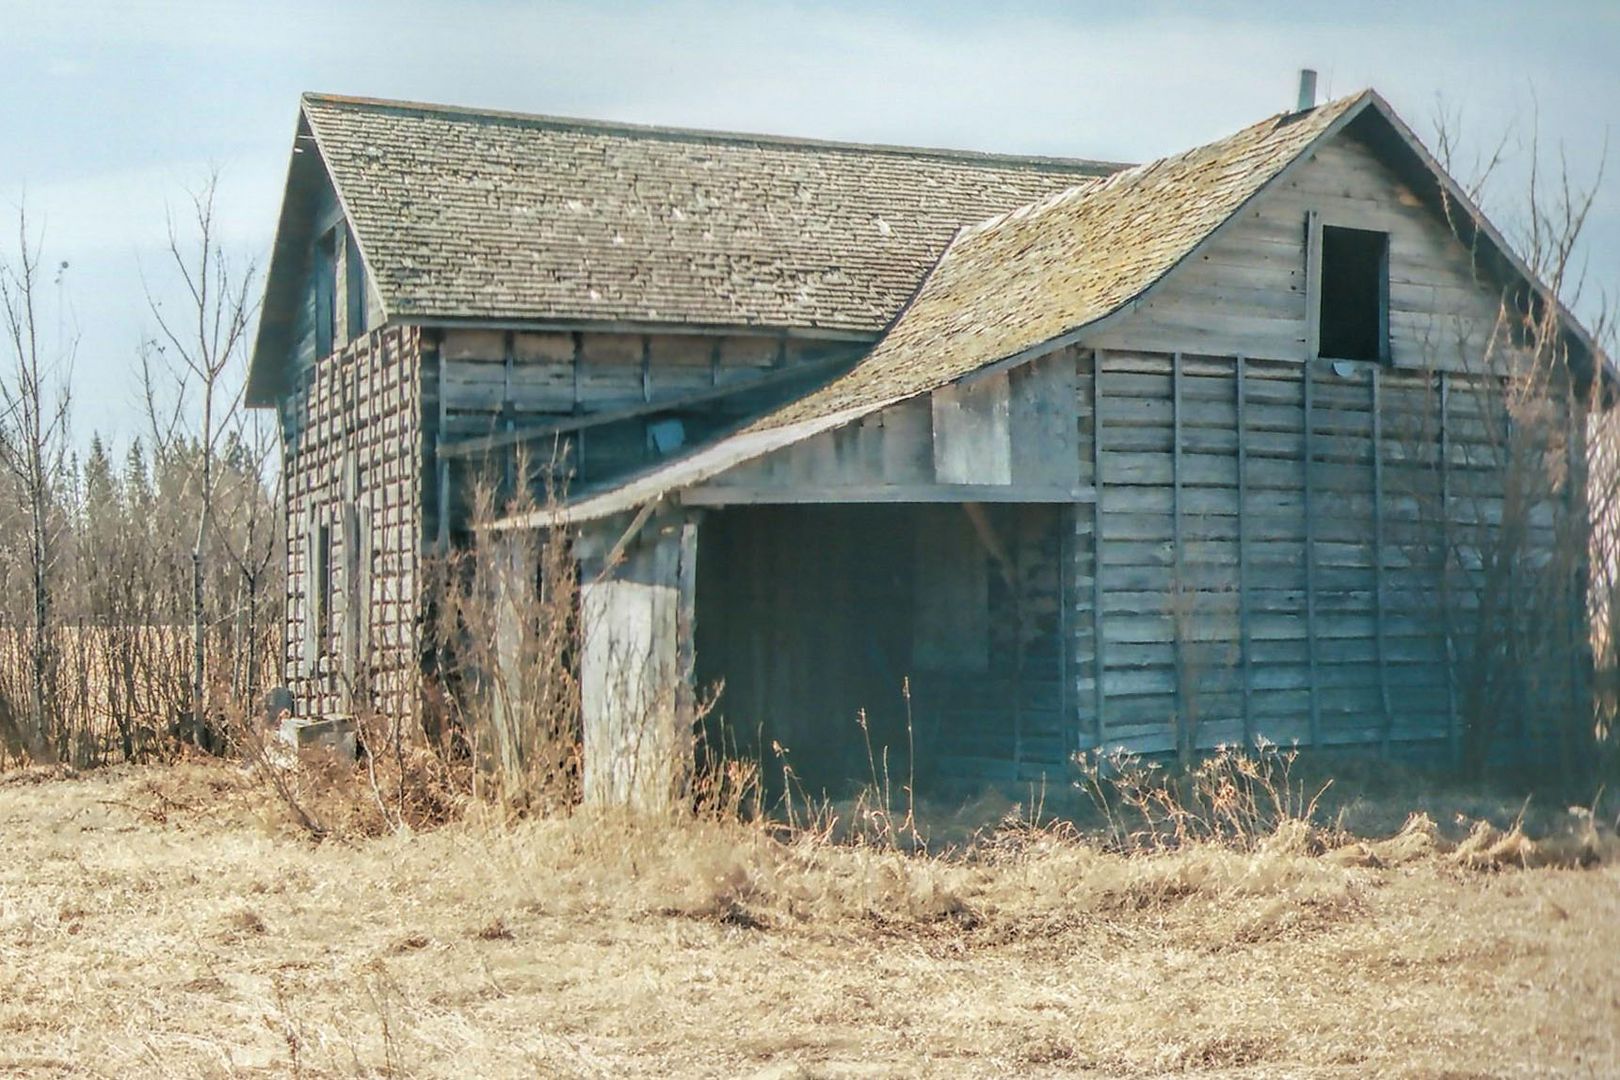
point(1231, 797)
point(162, 932)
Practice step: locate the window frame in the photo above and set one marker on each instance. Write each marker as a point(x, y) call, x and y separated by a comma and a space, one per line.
point(1315, 223)
point(354, 287)
point(324, 291)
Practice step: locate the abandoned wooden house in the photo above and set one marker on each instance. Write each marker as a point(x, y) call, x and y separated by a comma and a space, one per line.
point(1014, 457)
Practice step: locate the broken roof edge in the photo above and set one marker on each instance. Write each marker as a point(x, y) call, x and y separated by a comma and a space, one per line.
point(701, 465)
point(630, 129)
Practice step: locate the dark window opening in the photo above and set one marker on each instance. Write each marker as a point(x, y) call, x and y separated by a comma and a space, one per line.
point(326, 253)
point(323, 587)
point(354, 284)
point(1354, 320)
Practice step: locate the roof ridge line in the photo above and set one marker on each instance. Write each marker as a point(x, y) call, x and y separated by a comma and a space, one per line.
point(1135, 172)
point(1088, 166)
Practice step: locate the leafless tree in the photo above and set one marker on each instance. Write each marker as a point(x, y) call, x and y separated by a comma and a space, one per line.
point(1522, 552)
point(33, 449)
point(250, 539)
point(200, 347)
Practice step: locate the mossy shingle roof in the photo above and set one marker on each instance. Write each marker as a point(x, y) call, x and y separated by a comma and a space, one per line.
point(1022, 278)
point(1019, 281)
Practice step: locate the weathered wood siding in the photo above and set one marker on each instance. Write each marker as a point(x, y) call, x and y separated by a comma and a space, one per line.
point(327, 214)
point(1272, 548)
point(1280, 541)
point(1248, 550)
point(1245, 294)
point(1009, 436)
point(1258, 550)
point(491, 382)
point(635, 671)
point(351, 463)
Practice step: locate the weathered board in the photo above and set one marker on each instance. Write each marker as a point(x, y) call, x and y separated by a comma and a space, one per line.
point(1005, 438)
point(613, 402)
point(635, 670)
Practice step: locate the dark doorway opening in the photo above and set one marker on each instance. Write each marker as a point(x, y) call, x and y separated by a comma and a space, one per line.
point(812, 617)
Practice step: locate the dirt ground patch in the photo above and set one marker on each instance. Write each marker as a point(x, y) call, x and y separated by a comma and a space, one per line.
point(152, 924)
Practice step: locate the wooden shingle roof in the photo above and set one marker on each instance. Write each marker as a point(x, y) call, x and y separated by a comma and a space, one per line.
point(1021, 279)
point(1017, 284)
point(485, 215)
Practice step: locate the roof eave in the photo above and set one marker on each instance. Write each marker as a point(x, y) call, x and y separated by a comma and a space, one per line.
point(267, 365)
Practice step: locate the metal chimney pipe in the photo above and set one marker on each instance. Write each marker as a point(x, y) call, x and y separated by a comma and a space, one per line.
point(1307, 89)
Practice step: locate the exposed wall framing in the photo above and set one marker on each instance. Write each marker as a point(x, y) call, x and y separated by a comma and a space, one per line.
point(352, 467)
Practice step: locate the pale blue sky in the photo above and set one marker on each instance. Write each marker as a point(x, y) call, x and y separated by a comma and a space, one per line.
point(113, 109)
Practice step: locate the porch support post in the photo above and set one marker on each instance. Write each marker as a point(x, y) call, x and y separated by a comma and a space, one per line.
point(515, 565)
point(636, 669)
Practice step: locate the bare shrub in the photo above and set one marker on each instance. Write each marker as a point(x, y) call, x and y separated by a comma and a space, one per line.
point(138, 605)
point(35, 396)
point(498, 722)
point(1513, 491)
point(388, 788)
point(203, 351)
point(505, 647)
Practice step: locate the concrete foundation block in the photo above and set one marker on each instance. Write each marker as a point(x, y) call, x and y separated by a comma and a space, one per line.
point(334, 733)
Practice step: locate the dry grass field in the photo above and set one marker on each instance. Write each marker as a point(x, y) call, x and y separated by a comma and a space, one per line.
point(168, 923)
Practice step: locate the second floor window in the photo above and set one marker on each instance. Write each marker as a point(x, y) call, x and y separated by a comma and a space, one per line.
point(326, 292)
point(1354, 298)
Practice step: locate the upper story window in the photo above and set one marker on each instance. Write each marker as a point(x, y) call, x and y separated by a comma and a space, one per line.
point(354, 289)
point(1353, 295)
point(339, 292)
point(326, 282)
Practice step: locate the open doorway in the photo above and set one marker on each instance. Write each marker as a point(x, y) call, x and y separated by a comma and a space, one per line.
point(940, 624)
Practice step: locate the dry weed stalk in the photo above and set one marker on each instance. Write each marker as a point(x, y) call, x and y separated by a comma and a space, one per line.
point(1230, 798)
point(498, 723)
point(505, 638)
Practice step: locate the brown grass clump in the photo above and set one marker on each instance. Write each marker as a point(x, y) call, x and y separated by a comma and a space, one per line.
point(1230, 797)
point(220, 941)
